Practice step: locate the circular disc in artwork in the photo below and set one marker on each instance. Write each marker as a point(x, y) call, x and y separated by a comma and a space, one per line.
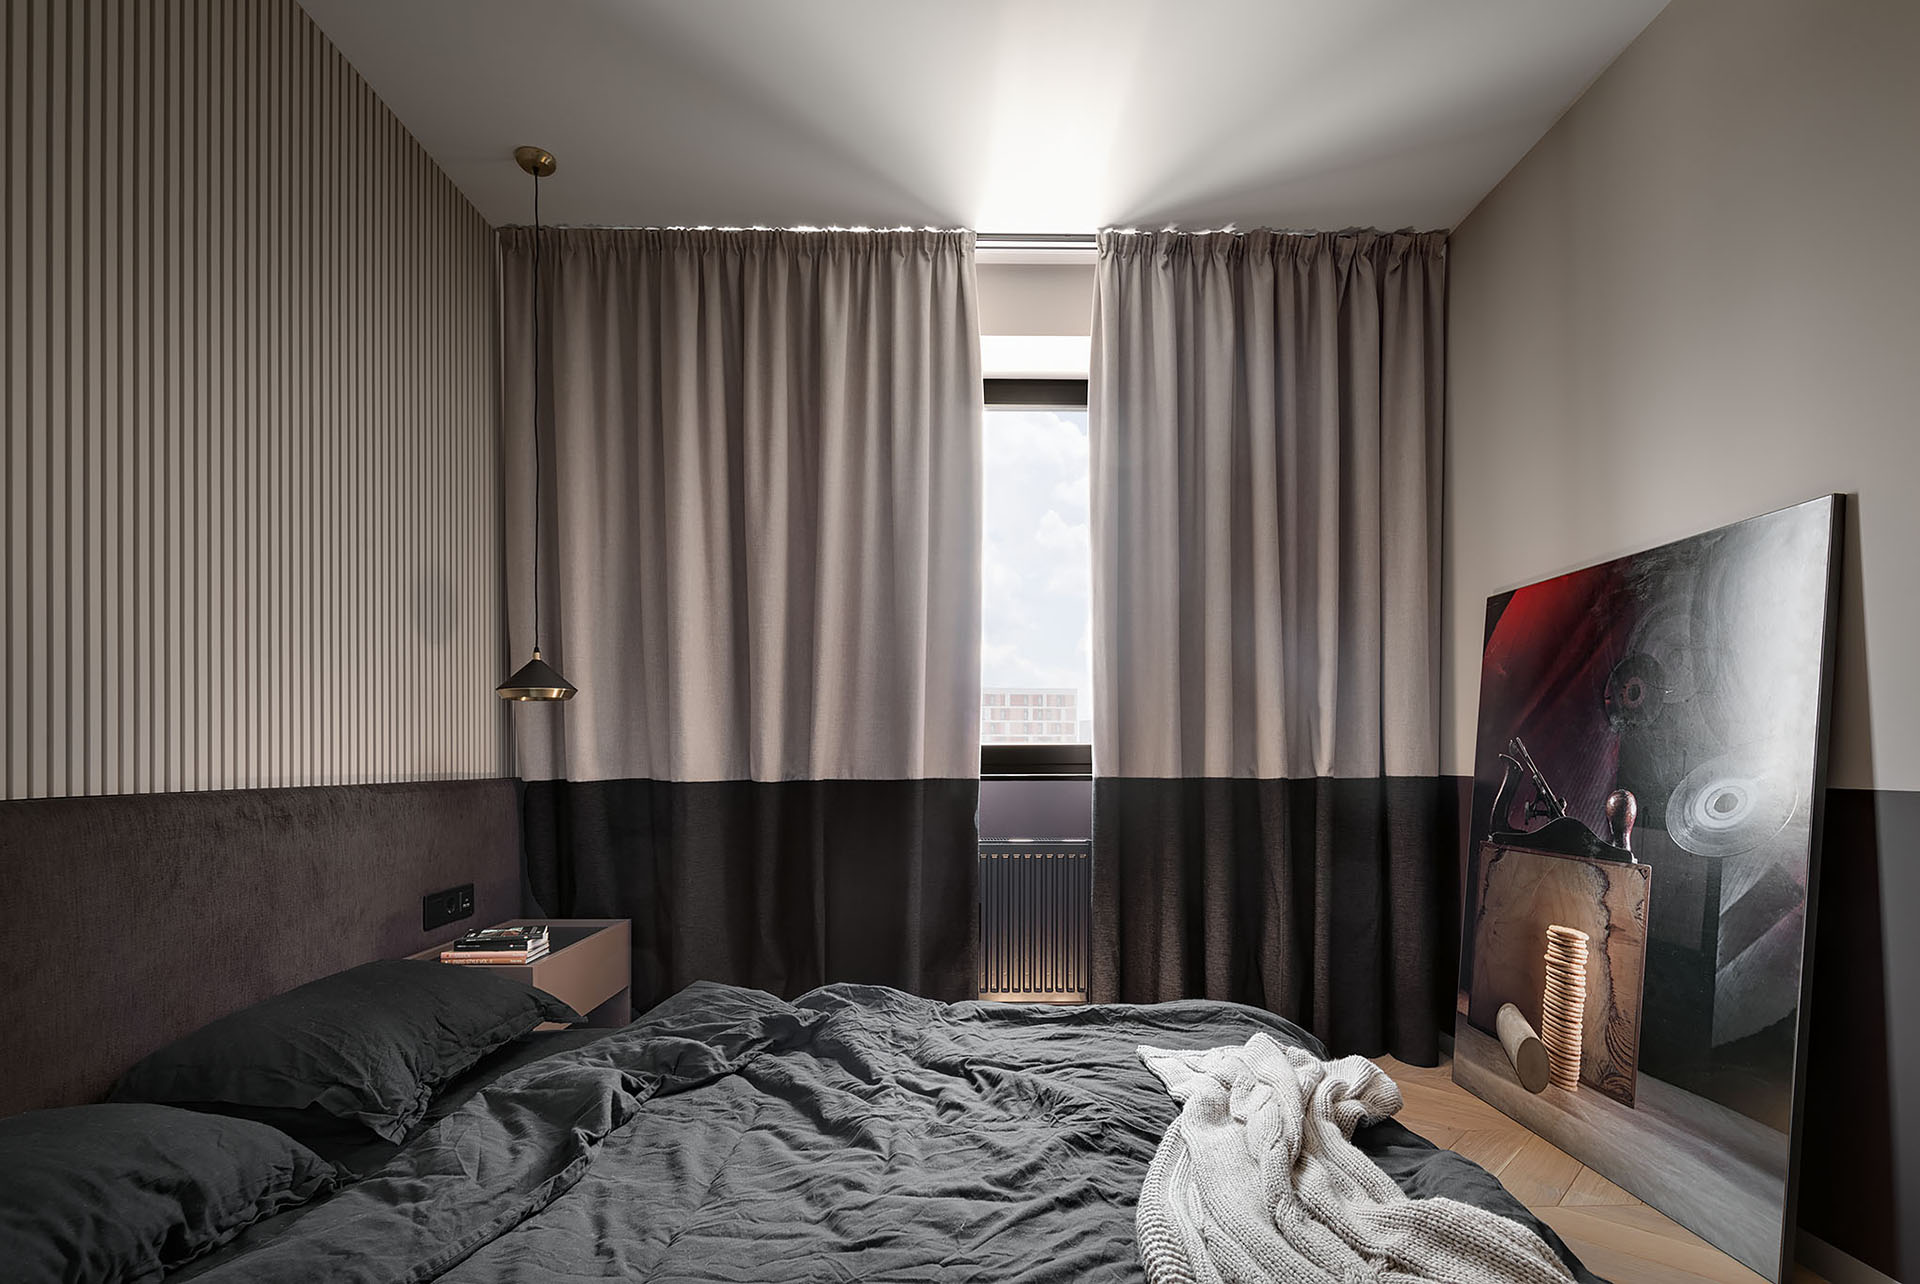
point(1636, 692)
point(1729, 805)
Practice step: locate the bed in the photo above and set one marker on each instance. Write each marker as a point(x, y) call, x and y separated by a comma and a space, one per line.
point(853, 1133)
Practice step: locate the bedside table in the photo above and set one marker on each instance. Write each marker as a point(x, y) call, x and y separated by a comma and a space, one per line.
point(588, 966)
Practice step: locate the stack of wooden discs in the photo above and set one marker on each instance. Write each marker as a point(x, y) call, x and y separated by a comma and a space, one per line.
point(1563, 1005)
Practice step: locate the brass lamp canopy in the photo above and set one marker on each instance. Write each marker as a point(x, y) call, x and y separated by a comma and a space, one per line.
point(535, 680)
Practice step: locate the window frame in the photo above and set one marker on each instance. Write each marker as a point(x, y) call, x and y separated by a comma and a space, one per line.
point(1044, 761)
point(1036, 394)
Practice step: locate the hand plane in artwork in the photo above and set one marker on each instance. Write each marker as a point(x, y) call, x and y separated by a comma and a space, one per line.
point(1563, 834)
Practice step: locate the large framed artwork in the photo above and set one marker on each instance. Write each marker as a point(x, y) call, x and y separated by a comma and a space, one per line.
point(1635, 944)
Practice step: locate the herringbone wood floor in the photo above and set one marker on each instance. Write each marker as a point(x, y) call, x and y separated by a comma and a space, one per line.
point(1615, 1234)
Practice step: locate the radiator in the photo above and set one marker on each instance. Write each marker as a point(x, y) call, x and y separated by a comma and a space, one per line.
point(1036, 900)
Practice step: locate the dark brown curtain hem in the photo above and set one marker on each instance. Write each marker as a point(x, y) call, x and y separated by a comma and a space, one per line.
point(781, 886)
point(1320, 899)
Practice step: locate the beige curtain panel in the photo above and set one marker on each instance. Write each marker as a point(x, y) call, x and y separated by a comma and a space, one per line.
point(1267, 413)
point(1266, 456)
point(761, 557)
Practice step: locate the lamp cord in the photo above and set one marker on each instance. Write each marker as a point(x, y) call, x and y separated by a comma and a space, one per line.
point(536, 413)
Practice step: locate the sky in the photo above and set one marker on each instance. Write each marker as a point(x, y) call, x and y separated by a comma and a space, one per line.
point(1036, 570)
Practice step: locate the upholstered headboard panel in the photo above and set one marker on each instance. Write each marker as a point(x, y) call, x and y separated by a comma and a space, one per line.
point(128, 921)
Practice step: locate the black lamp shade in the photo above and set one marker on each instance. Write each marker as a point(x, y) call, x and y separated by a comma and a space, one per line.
point(535, 680)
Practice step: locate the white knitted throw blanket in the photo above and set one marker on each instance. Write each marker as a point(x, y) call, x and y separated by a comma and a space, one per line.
point(1259, 1180)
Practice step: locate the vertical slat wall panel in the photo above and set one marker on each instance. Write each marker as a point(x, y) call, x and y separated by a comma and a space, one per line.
point(251, 497)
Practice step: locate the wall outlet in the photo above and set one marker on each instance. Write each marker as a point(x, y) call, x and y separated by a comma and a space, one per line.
point(437, 909)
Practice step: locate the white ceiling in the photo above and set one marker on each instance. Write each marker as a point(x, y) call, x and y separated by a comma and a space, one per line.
point(1000, 115)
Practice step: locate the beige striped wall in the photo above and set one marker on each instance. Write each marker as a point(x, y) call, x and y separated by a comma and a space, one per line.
point(251, 514)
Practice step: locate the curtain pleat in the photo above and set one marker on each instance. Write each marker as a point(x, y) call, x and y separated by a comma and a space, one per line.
point(1267, 416)
point(760, 565)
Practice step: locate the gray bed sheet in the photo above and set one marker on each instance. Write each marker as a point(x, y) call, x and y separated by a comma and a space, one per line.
point(856, 1133)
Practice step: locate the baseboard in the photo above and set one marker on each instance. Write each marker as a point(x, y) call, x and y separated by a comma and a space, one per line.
point(1834, 1265)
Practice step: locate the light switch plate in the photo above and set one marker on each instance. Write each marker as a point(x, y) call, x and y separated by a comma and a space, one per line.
point(437, 909)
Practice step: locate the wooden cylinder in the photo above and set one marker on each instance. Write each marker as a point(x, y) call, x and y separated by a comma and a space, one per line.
point(1524, 1049)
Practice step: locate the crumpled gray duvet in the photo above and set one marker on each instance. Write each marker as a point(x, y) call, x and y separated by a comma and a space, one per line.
point(856, 1133)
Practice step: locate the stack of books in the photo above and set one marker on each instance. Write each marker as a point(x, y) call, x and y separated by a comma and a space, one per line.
point(498, 945)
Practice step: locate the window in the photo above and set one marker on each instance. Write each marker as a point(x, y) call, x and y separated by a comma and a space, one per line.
point(1036, 667)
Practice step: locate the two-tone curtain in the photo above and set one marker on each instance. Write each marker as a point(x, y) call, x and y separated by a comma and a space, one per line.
point(1267, 414)
point(760, 564)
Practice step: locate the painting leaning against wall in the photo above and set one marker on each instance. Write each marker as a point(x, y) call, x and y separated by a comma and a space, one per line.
point(1635, 941)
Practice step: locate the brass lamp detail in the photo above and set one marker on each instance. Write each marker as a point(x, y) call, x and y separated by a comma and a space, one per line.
point(539, 162)
point(536, 679)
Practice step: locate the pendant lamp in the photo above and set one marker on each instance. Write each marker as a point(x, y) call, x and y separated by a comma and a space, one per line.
point(536, 679)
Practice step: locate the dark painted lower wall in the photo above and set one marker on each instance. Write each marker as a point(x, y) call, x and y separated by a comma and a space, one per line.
point(1050, 810)
point(1860, 1130)
point(1860, 1139)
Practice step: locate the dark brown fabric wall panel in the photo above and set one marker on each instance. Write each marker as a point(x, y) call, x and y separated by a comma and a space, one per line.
point(162, 912)
point(251, 512)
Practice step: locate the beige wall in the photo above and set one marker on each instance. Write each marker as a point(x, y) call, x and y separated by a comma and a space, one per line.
point(1698, 299)
point(1036, 298)
point(249, 477)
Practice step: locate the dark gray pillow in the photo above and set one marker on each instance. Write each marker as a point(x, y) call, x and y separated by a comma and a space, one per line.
point(370, 1044)
point(128, 1192)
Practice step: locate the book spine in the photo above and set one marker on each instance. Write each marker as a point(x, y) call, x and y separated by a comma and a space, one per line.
point(478, 956)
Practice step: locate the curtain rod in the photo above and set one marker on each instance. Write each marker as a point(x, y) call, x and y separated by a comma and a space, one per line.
point(1035, 240)
point(1060, 249)
point(999, 240)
